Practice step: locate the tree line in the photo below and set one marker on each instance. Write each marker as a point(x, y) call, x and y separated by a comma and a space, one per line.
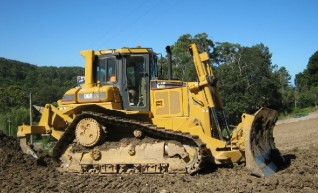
point(246, 76)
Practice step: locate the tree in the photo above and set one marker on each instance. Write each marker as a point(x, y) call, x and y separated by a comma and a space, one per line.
point(246, 79)
point(286, 90)
point(283, 78)
point(225, 52)
point(12, 96)
point(183, 67)
point(312, 70)
point(306, 83)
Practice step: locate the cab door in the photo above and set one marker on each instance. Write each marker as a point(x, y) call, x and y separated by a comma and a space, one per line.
point(136, 82)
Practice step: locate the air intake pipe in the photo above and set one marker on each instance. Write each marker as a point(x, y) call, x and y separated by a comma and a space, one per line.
point(89, 58)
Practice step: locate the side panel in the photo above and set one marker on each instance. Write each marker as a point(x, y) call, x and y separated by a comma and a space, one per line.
point(167, 103)
point(97, 94)
point(167, 99)
point(173, 106)
point(102, 94)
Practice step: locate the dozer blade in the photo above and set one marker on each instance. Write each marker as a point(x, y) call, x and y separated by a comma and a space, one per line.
point(26, 148)
point(262, 157)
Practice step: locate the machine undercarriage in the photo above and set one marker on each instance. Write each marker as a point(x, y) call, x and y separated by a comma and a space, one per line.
point(107, 144)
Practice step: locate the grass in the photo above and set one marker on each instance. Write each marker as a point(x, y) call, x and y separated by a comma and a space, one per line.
point(298, 112)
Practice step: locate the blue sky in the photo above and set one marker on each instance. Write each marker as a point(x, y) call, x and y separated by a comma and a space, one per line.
point(53, 32)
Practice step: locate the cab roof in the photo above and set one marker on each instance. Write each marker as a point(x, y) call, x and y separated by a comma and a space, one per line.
point(123, 51)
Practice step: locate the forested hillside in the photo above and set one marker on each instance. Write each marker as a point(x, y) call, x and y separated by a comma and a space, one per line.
point(18, 79)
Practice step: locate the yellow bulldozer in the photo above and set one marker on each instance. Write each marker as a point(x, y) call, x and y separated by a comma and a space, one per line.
point(124, 119)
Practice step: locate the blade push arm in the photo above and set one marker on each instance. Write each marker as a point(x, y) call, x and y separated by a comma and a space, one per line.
point(206, 77)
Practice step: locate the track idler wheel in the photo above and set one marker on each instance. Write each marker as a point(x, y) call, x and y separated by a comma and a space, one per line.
point(88, 132)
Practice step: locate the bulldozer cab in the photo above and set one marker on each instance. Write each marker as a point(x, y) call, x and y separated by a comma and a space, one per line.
point(130, 73)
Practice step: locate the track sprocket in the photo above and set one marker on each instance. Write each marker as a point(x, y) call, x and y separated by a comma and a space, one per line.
point(88, 132)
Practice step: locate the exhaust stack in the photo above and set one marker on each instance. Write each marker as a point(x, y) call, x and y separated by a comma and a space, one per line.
point(168, 50)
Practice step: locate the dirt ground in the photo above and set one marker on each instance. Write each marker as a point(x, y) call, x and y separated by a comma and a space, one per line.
point(297, 141)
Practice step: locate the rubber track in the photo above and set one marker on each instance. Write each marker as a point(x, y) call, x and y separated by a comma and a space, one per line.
point(184, 138)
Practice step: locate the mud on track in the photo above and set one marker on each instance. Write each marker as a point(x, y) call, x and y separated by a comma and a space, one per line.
point(297, 142)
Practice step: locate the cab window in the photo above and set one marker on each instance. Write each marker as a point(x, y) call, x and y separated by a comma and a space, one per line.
point(106, 70)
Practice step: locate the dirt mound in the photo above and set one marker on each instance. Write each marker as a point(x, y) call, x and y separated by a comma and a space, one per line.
point(15, 166)
point(10, 153)
point(22, 173)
